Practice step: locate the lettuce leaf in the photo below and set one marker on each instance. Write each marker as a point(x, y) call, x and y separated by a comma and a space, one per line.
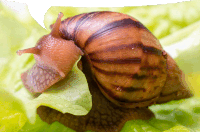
point(66, 96)
point(185, 49)
point(172, 22)
point(12, 117)
point(182, 115)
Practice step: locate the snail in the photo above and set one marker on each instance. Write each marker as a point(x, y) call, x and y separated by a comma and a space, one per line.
point(126, 61)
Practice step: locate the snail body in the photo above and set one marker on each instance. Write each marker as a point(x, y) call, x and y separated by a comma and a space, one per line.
point(127, 61)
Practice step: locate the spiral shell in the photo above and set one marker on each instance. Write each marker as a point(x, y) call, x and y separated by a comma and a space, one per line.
point(126, 58)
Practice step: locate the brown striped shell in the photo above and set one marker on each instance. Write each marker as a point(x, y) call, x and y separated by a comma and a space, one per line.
point(126, 59)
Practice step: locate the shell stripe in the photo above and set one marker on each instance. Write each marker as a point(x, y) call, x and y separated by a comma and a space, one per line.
point(118, 61)
point(113, 25)
point(123, 99)
point(151, 50)
point(81, 21)
point(130, 89)
point(164, 95)
point(140, 101)
point(110, 73)
point(65, 31)
point(146, 49)
point(150, 68)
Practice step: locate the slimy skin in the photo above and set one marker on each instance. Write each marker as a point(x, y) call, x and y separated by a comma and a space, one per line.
point(54, 57)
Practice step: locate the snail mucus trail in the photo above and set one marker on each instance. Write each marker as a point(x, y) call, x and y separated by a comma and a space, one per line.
point(127, 69)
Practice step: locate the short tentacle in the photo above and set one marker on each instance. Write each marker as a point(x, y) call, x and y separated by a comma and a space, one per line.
point(55, 30)
point(33, 50)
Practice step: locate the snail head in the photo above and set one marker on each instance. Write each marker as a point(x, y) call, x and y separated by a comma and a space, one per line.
point(54, 57)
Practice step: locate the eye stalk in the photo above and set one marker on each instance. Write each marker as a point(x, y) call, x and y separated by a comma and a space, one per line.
point(54, 55)
point(55, 30)
point(54, 33)
point(33, 50)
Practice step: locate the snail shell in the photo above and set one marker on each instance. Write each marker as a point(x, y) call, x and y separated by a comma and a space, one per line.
point(126, 59)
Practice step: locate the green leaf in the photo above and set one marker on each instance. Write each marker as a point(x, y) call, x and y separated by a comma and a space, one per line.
point(138, 126)
point(174, 23)
point(66, 96)
point(56, 126)
point(183, 112)
point(39, 126)
point(185, 48)
point(12, 117)
point(178, 129)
